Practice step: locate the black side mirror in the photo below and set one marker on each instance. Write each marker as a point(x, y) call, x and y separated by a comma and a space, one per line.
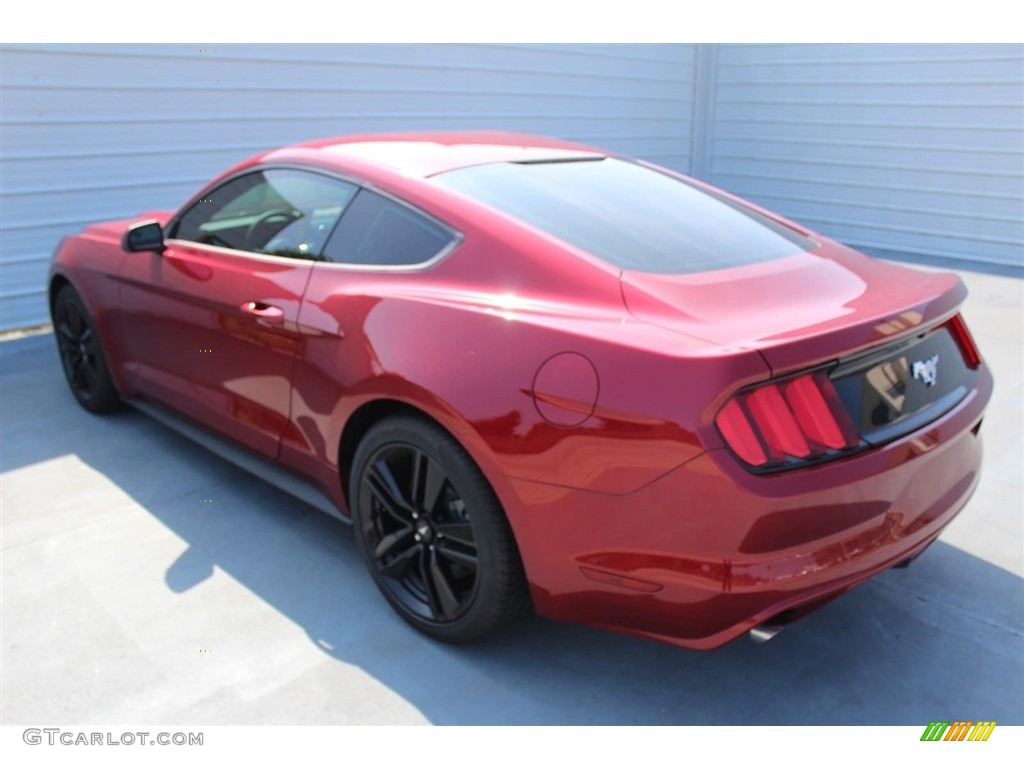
point(144, 236)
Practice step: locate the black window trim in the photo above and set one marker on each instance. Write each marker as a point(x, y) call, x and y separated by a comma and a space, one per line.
point(456, 236)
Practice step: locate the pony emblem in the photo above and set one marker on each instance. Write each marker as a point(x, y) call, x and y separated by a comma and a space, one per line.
point(926, 370)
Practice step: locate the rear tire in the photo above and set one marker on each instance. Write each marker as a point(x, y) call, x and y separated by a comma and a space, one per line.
point(81, 354)
point(433, 534)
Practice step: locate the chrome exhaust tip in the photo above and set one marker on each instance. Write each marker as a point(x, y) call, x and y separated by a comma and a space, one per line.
point(764, 632)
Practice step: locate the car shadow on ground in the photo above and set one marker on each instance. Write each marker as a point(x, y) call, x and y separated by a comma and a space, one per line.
point(940, 640)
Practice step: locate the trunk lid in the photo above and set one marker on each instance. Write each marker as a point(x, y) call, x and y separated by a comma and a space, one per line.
point(798, 311)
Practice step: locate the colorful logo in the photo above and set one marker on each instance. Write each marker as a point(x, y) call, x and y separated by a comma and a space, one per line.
point(960, 730)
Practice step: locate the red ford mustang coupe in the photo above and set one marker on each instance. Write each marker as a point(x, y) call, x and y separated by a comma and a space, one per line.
point(537, 374)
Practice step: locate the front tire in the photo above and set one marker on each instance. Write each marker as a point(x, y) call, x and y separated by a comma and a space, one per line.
point(81, 354)
point(433, 534)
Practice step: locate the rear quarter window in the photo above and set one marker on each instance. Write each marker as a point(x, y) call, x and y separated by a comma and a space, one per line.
point(378, 231)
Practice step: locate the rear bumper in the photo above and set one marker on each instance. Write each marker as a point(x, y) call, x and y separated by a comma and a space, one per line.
point(709, 551)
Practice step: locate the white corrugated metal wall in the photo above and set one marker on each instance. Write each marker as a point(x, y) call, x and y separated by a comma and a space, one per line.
point(97, 132)
point(910, 148)
point(915, 149)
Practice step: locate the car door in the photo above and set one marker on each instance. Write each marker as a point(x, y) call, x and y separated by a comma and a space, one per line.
point(379, 243)
point(210, 324)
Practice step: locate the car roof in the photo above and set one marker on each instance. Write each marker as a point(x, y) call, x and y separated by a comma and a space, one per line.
point(420, 155)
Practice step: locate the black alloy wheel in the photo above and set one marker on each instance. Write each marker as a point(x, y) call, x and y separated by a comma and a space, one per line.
point(81, 354)
point(433, 534)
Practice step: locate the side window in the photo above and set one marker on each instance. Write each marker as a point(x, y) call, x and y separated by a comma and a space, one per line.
point(279, 212)
point(378, 231)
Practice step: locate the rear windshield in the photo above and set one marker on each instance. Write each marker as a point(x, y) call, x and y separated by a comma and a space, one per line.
point(634, 217)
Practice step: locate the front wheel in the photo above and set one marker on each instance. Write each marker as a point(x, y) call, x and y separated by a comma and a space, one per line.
point(81, 354)
point(433, 534)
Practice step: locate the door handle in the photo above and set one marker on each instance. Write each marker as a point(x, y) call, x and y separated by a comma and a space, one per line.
point(265, 314)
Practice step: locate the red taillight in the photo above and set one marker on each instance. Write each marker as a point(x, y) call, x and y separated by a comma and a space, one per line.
point(958, 329)
point(777, 423)
point(790, 422)
point(736, 430)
